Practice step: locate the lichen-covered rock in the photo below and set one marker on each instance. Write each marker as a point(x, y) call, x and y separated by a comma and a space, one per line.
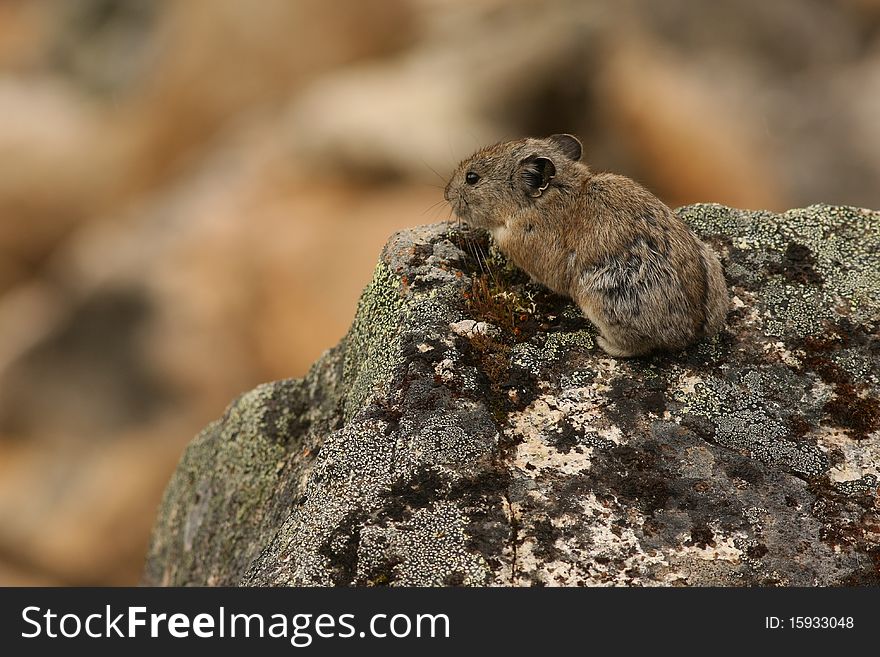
point(468, 431)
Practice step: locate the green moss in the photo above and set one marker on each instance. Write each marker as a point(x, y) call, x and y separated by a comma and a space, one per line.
point(372, 344)
point(224, 482)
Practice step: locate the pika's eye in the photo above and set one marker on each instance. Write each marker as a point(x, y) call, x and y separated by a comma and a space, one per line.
point(471, 178)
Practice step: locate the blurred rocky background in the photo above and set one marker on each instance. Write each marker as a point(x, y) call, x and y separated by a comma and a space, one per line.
point(193, 194)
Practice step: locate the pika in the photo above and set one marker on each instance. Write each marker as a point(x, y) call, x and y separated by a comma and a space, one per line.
point(634, 268)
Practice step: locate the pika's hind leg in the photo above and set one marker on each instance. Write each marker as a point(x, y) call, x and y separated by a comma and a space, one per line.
point(613, 349)
point(614, 339)
point(614, 342)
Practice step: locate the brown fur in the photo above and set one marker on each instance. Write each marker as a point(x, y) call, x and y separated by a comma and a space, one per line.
point(632, 265)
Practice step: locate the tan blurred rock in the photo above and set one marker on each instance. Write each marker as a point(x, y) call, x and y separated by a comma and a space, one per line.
point(51, 173)
point(24, 25)
point(74, 514)
point(28, 313)
point(863, 81)
point(697, 100)
point(15, 574)
point(254, 260)
point(477, 70)
point(306, 286)
point(490, 71)
point(680, 130)
point(69, 153)
point(219, 59)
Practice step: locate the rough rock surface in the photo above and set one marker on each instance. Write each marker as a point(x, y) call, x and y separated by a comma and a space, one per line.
point(468, 431)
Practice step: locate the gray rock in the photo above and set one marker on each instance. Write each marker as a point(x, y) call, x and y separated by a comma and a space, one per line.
point(419, 452)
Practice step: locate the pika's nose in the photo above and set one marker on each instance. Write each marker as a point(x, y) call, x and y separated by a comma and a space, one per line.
point(446, 192)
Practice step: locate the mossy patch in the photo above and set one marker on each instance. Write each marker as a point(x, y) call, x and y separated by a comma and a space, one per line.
point(372, 342)
point(223, 485)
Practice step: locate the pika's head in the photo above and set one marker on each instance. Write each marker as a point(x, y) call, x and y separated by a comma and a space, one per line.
point(501, 180)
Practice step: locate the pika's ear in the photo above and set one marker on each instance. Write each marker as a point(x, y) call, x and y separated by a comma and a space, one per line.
point(569, 145)
point(536, 173)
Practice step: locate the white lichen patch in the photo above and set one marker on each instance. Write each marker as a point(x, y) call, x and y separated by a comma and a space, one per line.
point(856, 364)
point(558, 344)
point(536, 354)
point(442, 439)
point(793, 309)
point(432, 542)
point(749, 417)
